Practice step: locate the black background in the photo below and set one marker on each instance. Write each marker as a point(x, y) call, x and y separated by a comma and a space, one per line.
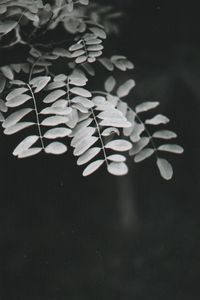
point(137, 237)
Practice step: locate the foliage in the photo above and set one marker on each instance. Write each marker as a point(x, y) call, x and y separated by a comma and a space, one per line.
point(51, 107)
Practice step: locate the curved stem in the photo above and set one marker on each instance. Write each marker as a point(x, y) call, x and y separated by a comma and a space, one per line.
point(100, 137)
point(37, 115)
point(148, 133)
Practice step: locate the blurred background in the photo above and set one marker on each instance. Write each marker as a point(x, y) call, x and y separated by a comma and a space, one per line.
point(63, 236)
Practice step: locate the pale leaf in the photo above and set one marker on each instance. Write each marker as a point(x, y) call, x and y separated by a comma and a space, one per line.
point(25, 144)
point(53, 96)
point(125, 88)
point(17, 127)
point(57, 133)
point(165, 134)
point(30, 152)
point(117, 168)
point(116, 158)
point(91, 168)
point(54, 121)
point(119, 145)
point(15, 117)
point(110, 84)
point(88, 155)
point(142, 155)
point(56, 148)
point(15, 93)
point(158, 119)
point(171, 148)
point(165, 168)
point(145, 106)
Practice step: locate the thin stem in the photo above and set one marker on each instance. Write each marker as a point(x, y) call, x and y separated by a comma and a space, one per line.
point(37, 115)
point(100, 137)
point(148, 133)
point(100, 92)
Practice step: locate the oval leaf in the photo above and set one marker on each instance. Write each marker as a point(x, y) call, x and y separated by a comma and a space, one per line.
point(91, 168)
point(142, 155)
point(25, 144)
point(88, 155)
point(171, 148)
point(165, 168)
point(117, 168)
point(56, 148)
point(119, 145)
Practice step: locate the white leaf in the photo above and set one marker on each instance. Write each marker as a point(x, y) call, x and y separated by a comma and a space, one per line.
point(107, 63)
point(78, 53)
point(55, 85)
point(73, 118)
point(80, 108)
point(123, 107)
point(75, 47)
point(137, 147)
point(110, 84)
point(15, 93)
point(18, 100)
point(57, 133)
point(142, 155)
point(80, 92)
point(125, 88)
point(82, 134)
point(131, 118)
point(61, 103)
point(171, 148)
point(88, 155)
point(84, 101)
point(25, 144)
point(115, 122)
point(99, 100)
point(30, 152)
point(17, 127)
point(3, 106)
point(158, 119)
point(137, 131)
point(56, 110)
point(7, 72)
point(165, 168)
point(145, 106)
point(85, 145)
point(41, 84)
point(15, 117)
point(117, 158)
point(53, 96)
point(80, 126)
point(81, 59)
point(119, 145)
point(165, 134)
point(91, 168)
point(56, 148)
point(54, 121)
point(117, 168)
point(98, 32)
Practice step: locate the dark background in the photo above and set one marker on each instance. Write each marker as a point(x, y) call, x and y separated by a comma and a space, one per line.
point(105, 238)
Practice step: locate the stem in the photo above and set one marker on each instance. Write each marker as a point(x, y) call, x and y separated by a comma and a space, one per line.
point(100, 92)
point(99, 133)
point(148, 133)
point(37, 116)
